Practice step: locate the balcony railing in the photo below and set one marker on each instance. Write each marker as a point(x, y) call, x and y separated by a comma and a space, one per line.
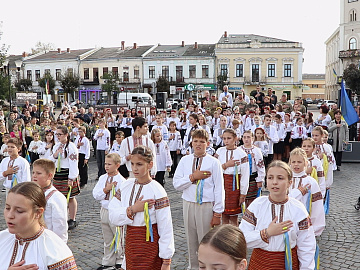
point(349, 54)
point(255, 81)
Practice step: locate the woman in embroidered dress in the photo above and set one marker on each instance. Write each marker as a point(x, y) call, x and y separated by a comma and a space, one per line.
point(26, 244)
point(269, 217)
point(235, 193)
point(65, 155)
point(128, 209)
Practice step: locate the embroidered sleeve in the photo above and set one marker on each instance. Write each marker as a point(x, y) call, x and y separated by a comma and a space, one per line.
point(304, 224)
point(66, 264)
point(244, 159)
point(260, 164)
point(264, 236)
point(316, 196)
point(118, 195)
point(162, 203)
point(302, 190)
point(250, 217)
point(320, 174)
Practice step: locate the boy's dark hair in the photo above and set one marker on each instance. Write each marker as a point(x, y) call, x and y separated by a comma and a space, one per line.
point(201, 134)
point(18, 143)
point(138, 122)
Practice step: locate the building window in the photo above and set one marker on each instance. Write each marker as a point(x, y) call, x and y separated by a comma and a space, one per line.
point(58, 74)
point(29, 75)
point(136, 73)
point(47, 71)
point(349, 1)
point(224, 69)
point(192, 71)
point(352, 44)
point(105, 70)
point(70, 72)
point(125, 74)
point(239, 70)
point(165, 72)
point(315, 86)
point(96, 74)
point(287, 70)
point(353, 16)
point(255, 72)
point(37, 75)
point(115, 71)
point(86, 73)
point(179, 73)
point(205, 71)
point(151, 72)
point(271, 70)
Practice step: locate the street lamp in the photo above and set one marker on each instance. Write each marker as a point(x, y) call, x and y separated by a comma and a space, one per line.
point(7, 64)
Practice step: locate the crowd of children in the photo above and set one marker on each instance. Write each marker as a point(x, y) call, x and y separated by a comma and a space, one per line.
point(217, 159)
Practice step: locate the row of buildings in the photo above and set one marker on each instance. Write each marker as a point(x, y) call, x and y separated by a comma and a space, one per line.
point(246, 60)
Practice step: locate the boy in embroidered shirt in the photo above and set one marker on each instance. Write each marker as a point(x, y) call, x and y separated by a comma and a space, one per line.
point(102, 135)
point(106, 188)
point(3, 150)
point(199, 176)
point(119, 137)
point(159, 125)
point(14, 169)
point(35, 146)
point(83, 145)
point(55, 214)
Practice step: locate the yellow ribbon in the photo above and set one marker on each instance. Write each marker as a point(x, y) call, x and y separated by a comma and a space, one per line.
point(58, 165)
point(237, 177)
point(325, 165)
point(113, 191)
point(68, 195)
point(116, 240)
point(147, 220)
point(314, 174)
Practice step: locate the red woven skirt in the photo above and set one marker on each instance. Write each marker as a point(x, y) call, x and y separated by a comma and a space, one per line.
point(139, 253)
point(60, 181)
point(232, 206)
point(252, 191)
point(271, 260)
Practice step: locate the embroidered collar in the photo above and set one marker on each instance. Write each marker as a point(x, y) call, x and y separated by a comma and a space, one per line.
point(311, 158)
point(279, 203)
point(299, 175)
point(142, 184)
point(29, 239)
point(47, 187)
point(203, 155)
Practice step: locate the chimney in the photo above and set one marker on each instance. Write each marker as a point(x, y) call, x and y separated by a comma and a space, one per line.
point(59, 50)
point(225, 34)
point(24, 54)
point(122, 45)
point(68, 50)
point(135, 46)
point(196, 45)
point(182, 43)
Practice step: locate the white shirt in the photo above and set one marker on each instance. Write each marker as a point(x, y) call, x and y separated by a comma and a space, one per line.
point(115, 148)
point(273, 135)
point(243, 169)
point(43, 152)
point(46, 250)
point(175, 142)
point(103, 142)
point(317, 207)
point(259, 215)
point(98, 191)
point(264, 146)
point(298, 132)
point(85, 148)
point(257, 162)
point(228, 96)
point(56, 213)
point(314, 162)
point(33, 144)
point(22, 175)
point(164, 132)
point(70, 161)
point(160, 213)
point(163, 158)
point(280, 128)
point(213, 186)
point(2, 153)
point(327, 150)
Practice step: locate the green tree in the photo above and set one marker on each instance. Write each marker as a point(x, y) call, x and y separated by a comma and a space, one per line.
point(47, 77)
point(351, 76)
point(70, 82)
point(4, 87)
point(111, 84)
point(162, 85)
point(23, 84)
point(221, 81)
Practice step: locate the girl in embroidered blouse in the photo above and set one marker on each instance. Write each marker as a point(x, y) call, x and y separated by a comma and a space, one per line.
point(16, 133)
point(129, 208)
point(269, 217)
point(26, 243)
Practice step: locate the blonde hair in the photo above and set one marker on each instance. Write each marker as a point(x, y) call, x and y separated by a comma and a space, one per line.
point(282, 165)
point(114, 157)
point(153, 133)
point(46, 164)
point(319, 129)
point(298, 152)
point(311, 140)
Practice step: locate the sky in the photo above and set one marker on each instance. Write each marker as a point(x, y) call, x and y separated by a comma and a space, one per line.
point(80, 24)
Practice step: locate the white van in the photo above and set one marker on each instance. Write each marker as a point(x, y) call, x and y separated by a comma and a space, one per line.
point(135, 98)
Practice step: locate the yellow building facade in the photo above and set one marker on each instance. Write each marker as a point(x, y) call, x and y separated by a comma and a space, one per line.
point(313, 86)
point(251, 60)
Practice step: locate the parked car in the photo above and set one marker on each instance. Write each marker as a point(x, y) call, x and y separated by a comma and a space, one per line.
point(326, 102)
point(309, 100)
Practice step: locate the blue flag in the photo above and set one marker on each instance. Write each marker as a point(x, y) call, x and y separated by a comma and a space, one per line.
point(347, 109)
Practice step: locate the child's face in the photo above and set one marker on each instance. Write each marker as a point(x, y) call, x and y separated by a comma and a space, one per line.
point(49, 137)
point(110, 166)
point(300, 121)
point(278, 120)
point(223, 122)
point(199, 145)
point(158, 120)
point(40, 176)
point(140, 167)
point(247, 139)
point(16, 127)
point(28, 124)
point(172, 127)
point(325, 138)
point(36, 137)
point(287, 118)
point(308, 148)
point(297, 163)
point(5, 140)
point(157, 137)
point(236, 125)
point(81, 133)
point(13, 150)
point(228, 139)
point(119, 139)
point(257, 121)
point(267, 121)
point(259, 134)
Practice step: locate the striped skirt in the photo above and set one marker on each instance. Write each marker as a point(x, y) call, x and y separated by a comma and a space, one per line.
point(139, 253)
point(271, 260)
point(232, 206)
point(252, 191)
point(61, 183)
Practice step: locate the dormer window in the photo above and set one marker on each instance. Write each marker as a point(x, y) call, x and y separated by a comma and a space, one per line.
point(353, 15)
point(352, 44)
